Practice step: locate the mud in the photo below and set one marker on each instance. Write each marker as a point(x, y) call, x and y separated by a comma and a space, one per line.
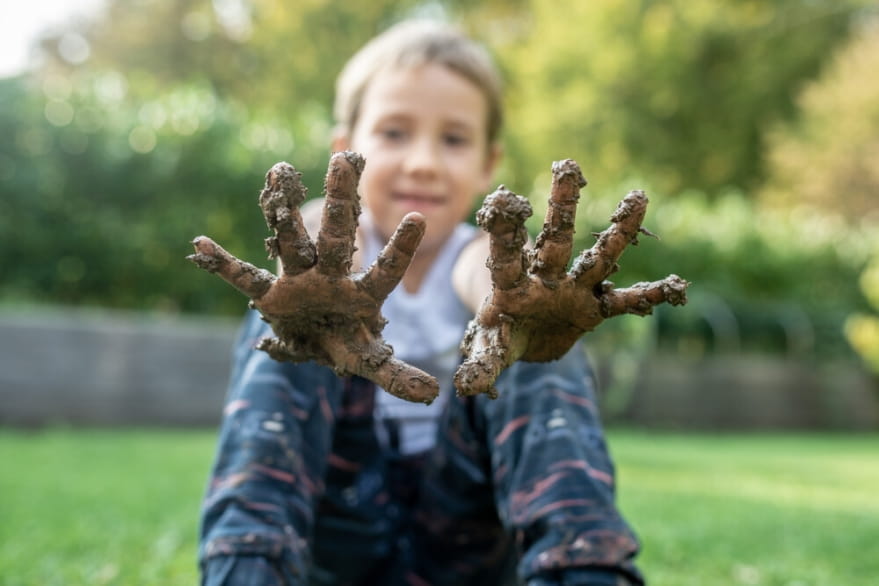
point(537, 310)
point(317, 308)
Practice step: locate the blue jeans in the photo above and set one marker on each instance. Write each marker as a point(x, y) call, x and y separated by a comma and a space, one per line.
point(518, 490)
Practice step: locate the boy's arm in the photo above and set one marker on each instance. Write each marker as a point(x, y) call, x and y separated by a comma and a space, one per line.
point(537, 309)
point(317, 308)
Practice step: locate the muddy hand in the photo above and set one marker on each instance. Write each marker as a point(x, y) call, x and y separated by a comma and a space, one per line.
point(537, 309)
point(318, 310)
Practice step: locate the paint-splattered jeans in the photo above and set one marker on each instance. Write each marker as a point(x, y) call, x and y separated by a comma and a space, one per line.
point(518, 490)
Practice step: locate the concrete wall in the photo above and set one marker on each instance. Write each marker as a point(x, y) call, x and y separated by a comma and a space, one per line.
point(753, 392)
point(106, 368)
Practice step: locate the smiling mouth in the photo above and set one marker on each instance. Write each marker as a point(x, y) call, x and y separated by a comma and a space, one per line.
point(418, 200)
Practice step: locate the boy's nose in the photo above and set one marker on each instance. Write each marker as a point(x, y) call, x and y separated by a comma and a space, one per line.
point(423, 158)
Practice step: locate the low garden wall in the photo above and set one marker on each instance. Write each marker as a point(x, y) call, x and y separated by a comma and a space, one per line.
point(106, 368)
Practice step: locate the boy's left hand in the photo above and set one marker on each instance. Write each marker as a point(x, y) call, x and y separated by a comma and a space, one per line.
point(537, 310)
point(320, 310)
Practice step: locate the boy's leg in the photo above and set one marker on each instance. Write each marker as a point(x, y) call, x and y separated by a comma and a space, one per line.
point(554, 480)
point(282, 430)
point(358, 519)
point(459, 539)
point(537, 456)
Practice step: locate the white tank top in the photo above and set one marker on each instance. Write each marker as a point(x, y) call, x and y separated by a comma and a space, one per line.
point(425, 330)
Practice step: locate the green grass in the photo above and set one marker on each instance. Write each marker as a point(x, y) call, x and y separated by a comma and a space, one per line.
point(768, 510)
point(101, 507)
point(98, 507)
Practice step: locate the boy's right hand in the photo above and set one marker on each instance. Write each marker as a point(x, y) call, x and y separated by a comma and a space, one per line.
point(537, 309)
point(317, 309)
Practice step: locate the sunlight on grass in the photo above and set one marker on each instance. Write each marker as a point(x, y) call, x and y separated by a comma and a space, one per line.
point(101, 507)
point(785, 510)
point(87, 507)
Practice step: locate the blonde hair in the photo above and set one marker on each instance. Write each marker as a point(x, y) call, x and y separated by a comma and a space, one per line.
point(411, 44)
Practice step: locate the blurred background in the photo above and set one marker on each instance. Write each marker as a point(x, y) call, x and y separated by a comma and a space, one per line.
point(130, 126)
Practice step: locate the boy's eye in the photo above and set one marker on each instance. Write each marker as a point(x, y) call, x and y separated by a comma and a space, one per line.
point(456, 139)
point(393, 134)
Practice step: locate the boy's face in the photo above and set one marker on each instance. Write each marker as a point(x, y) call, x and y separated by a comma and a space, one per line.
point(423, 132)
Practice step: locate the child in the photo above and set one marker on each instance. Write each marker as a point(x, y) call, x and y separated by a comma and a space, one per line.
point(321, 479)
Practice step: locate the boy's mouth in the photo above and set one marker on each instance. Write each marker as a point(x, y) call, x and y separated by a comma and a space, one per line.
point(415, 201)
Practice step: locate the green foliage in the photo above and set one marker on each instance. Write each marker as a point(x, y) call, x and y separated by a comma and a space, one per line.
point(678, 91)
point(164, 132)
point(826, 161)
point(827, 157)
point(99, 209)
point(784, 278)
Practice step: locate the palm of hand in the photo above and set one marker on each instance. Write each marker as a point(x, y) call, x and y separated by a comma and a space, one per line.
point(537, 310)
point(317, 308)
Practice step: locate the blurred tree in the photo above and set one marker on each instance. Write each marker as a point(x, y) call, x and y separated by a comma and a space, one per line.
point(828, 157)
point(679, 91)
point(275, 60)
point(827, 160)
point(154, 123)
point(100, 193)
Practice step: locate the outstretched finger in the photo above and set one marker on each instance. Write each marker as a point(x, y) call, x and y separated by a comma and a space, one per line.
point(282, 351)
point(641, 298)
point(280, 200)
point(594, 265)
point(384, 274)
point(556, 240)
point(405, 381)
point(250, 280)
point(367, 355)
point(488, 350)
point(503, 215)
point(335, 241)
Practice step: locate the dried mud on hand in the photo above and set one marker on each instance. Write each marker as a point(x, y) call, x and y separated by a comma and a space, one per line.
point(318, 309)
point(537, 309)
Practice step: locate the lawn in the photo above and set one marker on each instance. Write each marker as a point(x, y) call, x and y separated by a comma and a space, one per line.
point(101, 507)
point(95, 507)
point(768, 510)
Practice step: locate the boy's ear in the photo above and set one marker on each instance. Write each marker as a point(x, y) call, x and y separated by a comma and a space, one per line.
point(340, 141)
